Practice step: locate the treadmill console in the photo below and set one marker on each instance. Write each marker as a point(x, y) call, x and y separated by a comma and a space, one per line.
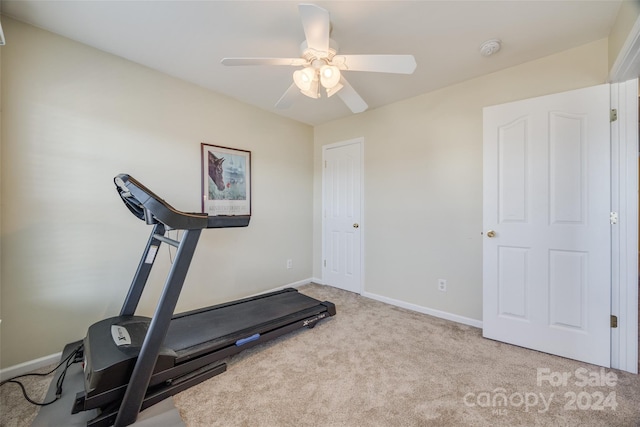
point(144, 204)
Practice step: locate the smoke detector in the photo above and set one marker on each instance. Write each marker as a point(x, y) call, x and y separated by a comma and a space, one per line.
point(490, 47)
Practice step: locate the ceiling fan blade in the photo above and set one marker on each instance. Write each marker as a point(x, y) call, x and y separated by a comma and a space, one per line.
point(263, 61)
point(317, 26)
point(399, 64)
point(286, 100)
point(350, 97)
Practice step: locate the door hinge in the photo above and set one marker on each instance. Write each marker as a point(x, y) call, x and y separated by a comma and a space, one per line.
point(614, 321)
point(325, 262)
point(613, 218)
point(325, 164)
point(614, 115)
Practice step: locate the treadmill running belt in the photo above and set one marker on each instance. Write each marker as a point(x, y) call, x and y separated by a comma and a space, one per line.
point(222, 322)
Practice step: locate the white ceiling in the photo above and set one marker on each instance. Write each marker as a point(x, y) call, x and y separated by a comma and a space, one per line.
point(187, 39)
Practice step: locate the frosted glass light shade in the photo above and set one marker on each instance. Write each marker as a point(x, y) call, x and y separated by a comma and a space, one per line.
point(312, 92)
point(304, 78)
point(329, 76)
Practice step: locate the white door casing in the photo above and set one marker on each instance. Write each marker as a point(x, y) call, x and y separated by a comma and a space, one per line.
point(546, 196)
point(342, 215)
point(624, 235)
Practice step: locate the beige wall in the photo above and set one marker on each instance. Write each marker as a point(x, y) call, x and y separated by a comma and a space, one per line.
point(627, 17)
point(423, 179)
point(74, 117)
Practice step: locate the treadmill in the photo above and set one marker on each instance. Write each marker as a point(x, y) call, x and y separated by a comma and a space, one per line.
point(132, 362)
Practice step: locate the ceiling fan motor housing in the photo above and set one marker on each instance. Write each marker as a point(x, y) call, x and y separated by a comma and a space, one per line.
point(310, 54)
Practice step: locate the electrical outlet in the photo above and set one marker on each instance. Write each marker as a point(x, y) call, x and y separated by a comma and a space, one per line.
point(289, 264)
point(442, 285)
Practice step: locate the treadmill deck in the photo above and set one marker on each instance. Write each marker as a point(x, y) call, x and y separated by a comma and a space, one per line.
point(206, 330)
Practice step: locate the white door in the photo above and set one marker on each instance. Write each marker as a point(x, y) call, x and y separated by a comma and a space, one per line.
point(342, 185)
point(546, 208)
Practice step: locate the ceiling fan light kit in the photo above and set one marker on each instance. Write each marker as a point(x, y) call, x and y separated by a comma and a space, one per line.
point(322, 67)
point(307, 79)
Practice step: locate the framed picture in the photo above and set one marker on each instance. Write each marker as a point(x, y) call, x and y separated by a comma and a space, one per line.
point(226, 180)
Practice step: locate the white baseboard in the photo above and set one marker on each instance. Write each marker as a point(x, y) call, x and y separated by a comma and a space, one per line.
point(413, 307)
point(279, 288)
point(30, 366)
point(299, 283)
point(425, 310)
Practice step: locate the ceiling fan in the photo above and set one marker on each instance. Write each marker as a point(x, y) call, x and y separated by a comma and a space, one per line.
point(321, 65)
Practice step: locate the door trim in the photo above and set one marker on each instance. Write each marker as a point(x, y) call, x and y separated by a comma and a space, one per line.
point(359, 141)
point(624, 248)
point(627, 63)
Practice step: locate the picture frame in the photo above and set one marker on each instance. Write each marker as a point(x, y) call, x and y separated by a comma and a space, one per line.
point(226, 180)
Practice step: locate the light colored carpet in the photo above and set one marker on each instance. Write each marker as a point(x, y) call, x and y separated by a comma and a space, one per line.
point(15, 411)
point(379, 365)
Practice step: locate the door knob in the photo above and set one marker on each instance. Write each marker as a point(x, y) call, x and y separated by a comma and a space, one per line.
point(356, 225)
point(491, 233)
